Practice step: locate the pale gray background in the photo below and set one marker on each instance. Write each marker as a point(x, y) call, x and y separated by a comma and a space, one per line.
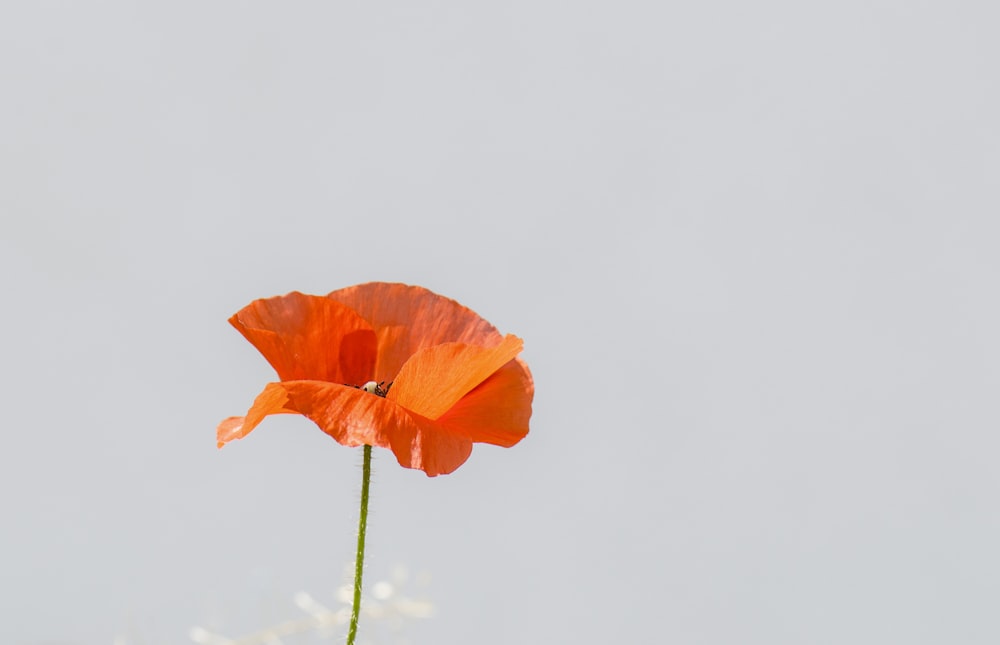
point(751, 248)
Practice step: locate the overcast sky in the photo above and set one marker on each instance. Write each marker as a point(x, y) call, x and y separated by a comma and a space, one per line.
point(752, 249)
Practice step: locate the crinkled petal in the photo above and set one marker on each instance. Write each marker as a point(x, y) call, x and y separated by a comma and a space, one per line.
point(273, 400)
point(432, 448)
point(407, 319)
point(354, 417)
point(435, 378)
point(351, 416)
point(498, 410)
point(310, 337)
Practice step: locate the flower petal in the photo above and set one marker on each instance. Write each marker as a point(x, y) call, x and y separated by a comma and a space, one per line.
point(432, 448)
point(435, 378)
point(310, 337)
point(354, 417)
point(273, 400)
point(351, 416)
point(497, 410)
point(407, 319)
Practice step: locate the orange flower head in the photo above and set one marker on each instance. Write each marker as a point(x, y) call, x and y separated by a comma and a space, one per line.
point(388, 365)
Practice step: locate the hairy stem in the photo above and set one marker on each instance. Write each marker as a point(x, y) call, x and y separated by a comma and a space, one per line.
point(359, 562)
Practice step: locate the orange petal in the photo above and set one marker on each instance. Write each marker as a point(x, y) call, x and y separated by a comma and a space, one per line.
point(435, 378)
point(273, 400)
point(498, 410)
point(431, 448)
point(310, 337)
point(351, 416)
point(354, 417)
point(407, 319)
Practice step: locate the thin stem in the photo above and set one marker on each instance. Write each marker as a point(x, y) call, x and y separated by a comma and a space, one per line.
point(359, 562)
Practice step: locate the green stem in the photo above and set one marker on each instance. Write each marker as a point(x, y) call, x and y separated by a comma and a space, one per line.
point(359, 562)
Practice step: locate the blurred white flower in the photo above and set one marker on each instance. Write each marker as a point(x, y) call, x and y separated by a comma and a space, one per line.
point(384, 604)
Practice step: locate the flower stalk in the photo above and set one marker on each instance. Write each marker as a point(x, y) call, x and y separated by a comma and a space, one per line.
point(359, 562)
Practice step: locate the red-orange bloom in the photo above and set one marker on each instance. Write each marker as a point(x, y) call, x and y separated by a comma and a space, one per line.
point(388, 365)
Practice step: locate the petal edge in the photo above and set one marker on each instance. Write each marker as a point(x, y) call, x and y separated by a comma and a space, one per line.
point(272, 400)
point(409, 318)
point(435, 378)
point(497, 411)
point(310, 337)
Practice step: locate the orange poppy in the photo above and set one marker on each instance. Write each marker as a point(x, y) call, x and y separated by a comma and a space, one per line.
point(388, 365)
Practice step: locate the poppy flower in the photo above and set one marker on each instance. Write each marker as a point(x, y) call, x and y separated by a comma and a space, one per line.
point(388, 365)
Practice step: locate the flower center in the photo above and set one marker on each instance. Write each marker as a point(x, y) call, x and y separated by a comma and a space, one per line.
point(376, 388)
